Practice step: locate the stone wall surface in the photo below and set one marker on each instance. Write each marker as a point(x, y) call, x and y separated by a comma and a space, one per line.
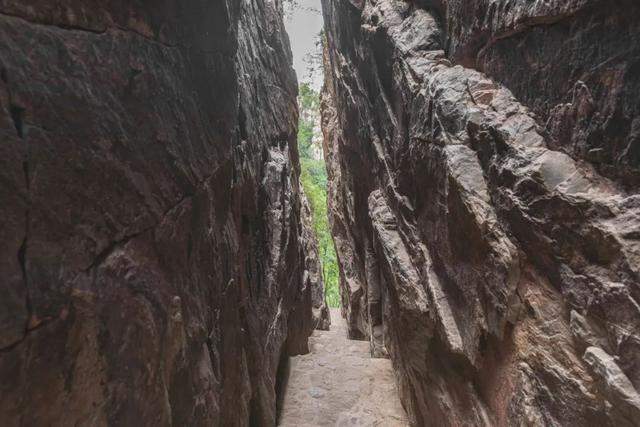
point(151, 255)
point(483, 192)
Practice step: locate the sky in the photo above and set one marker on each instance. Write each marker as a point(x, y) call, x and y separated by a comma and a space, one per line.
point(303, 26)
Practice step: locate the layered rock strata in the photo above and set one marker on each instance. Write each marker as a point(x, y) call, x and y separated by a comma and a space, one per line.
point(313, 277)
point(484, 203)
point(152, 262)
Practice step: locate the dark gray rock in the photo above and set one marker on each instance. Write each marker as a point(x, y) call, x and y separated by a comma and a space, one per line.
point(151, 264)
point(455, 199)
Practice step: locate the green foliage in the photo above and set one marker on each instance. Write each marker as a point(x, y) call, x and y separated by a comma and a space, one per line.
point(309, 104)
point(308, 99)
point(314, 182)
point(305, 138)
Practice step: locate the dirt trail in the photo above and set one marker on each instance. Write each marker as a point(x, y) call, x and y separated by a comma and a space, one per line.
point(338, 384)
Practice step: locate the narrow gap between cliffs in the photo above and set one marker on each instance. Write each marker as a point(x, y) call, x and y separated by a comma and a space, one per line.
point(305, 28)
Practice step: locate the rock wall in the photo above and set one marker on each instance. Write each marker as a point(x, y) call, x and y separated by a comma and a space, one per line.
point(151, 264)
point(483, 166)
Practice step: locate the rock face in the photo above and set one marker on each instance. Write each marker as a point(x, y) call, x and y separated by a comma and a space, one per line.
point(483, 166)
point(151, 264)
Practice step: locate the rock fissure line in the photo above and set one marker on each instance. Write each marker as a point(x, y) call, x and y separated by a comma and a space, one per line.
point(530, 23)
point(59, 26)
point(17, 117)
point(104, 254)
point(109, 30)
point(111, 247)
point(99, 32)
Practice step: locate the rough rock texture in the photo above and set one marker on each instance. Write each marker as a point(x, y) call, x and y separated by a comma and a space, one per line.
point(313, 269)
point(483, 165)
point(151, 264)
point(574, 63)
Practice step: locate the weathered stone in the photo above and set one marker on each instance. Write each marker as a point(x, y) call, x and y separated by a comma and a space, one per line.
point(151, 265)
point(504, 227)
point(618, 388)
point(575, 63)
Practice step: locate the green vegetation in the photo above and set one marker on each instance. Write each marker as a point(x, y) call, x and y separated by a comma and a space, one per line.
point(314, 182)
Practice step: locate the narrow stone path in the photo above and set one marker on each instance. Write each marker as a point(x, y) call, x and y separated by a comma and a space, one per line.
point(338, 384)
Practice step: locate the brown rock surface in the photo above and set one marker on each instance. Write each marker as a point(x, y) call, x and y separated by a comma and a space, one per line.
point(479, 240)
point(151, 263)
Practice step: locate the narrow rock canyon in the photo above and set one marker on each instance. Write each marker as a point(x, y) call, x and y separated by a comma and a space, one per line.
point(158, 261)
point(483, 159)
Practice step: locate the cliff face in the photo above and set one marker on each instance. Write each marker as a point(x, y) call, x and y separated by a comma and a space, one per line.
point(483, 165)
point(151, 265)
point(575, 64)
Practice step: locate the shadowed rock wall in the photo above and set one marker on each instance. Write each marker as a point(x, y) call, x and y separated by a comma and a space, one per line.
point(151, 262)
point(483, 165)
